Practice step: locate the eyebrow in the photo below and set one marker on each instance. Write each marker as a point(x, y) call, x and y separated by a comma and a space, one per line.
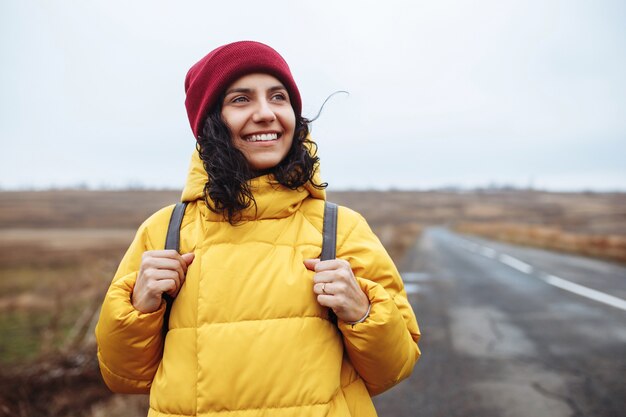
point(250, 90)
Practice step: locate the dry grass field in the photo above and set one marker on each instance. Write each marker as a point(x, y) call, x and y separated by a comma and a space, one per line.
point(59, 250)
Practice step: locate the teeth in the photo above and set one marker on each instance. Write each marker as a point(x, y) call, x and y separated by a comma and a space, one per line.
point(263, 137)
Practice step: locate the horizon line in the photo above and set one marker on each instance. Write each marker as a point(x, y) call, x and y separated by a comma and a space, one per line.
point(443, 188)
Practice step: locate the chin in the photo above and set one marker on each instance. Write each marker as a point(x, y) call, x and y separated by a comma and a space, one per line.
point(263, 168)
point(264, 164)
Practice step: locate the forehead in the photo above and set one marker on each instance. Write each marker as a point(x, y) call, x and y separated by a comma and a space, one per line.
point(256, 81)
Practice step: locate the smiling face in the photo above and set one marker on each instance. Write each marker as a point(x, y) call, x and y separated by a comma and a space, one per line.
point(258, 113)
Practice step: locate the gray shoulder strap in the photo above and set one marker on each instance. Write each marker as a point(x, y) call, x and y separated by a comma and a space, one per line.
point(329, 243)
point(172, 240)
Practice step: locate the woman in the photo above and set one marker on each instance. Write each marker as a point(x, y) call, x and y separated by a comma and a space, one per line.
point(249, 331)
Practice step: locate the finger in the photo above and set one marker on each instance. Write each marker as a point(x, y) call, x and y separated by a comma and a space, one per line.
point(149, 257)
point(172, 254)
point(188, 258)
point(323, 289)
point(326, 276)
point(170, 287)
point(327, 300)
point(163, 253)
point(172, 292)
point(154, 275)
point(167, 263)
point(334, 275)
point(331, 264)
point(310, 263)
point(162, 286)
point(180, 267)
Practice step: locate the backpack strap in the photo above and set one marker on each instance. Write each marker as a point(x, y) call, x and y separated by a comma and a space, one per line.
point(329, 232)
point(329, 241)
point(172, 241)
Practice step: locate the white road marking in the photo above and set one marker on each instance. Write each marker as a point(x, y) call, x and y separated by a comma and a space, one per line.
point(515, 263)
point(488, 252)
point(550, 279)
point(585, 292)
point(482, 250)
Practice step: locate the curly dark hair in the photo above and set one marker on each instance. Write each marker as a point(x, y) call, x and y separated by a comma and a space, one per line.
point(227, 190)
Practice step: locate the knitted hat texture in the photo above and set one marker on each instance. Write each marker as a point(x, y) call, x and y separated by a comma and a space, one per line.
point(207, 80)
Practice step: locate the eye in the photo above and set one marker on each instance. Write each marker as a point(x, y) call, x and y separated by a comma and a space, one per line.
point(239, 99)
point(279, 97)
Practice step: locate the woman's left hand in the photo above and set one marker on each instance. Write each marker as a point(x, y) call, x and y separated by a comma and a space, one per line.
point(337, 288)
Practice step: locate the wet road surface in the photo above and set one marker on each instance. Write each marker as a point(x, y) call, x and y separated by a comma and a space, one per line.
point(512, 331)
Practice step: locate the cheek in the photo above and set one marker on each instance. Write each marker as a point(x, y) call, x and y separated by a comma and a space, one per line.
point(289, 121)
point(233, 120)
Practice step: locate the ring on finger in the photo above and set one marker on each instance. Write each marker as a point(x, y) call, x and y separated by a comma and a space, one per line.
point(324, 288)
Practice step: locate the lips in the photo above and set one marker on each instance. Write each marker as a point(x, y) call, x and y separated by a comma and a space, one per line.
point(262, 137)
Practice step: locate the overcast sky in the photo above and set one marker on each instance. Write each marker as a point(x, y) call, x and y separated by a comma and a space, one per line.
point(442, 93)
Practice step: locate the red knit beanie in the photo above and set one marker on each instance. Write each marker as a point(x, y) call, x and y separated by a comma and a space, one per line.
point(209, 77)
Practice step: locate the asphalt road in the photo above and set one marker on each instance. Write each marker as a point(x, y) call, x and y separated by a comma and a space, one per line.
point(510, 331)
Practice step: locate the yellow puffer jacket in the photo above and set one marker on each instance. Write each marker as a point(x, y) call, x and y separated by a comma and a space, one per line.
point(246, 334)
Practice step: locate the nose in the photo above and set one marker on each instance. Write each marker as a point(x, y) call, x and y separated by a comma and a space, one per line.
point(263, 112)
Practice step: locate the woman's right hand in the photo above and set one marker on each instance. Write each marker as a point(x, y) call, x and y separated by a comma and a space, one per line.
point(161, 271)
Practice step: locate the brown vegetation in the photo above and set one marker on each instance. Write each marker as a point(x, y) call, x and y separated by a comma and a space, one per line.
point(612, 247)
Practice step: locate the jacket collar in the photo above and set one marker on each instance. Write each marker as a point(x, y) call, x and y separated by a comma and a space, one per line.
point(272, 199)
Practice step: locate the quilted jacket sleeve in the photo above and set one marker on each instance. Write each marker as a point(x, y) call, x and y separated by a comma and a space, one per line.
point(383, 349)
point(130, 343)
